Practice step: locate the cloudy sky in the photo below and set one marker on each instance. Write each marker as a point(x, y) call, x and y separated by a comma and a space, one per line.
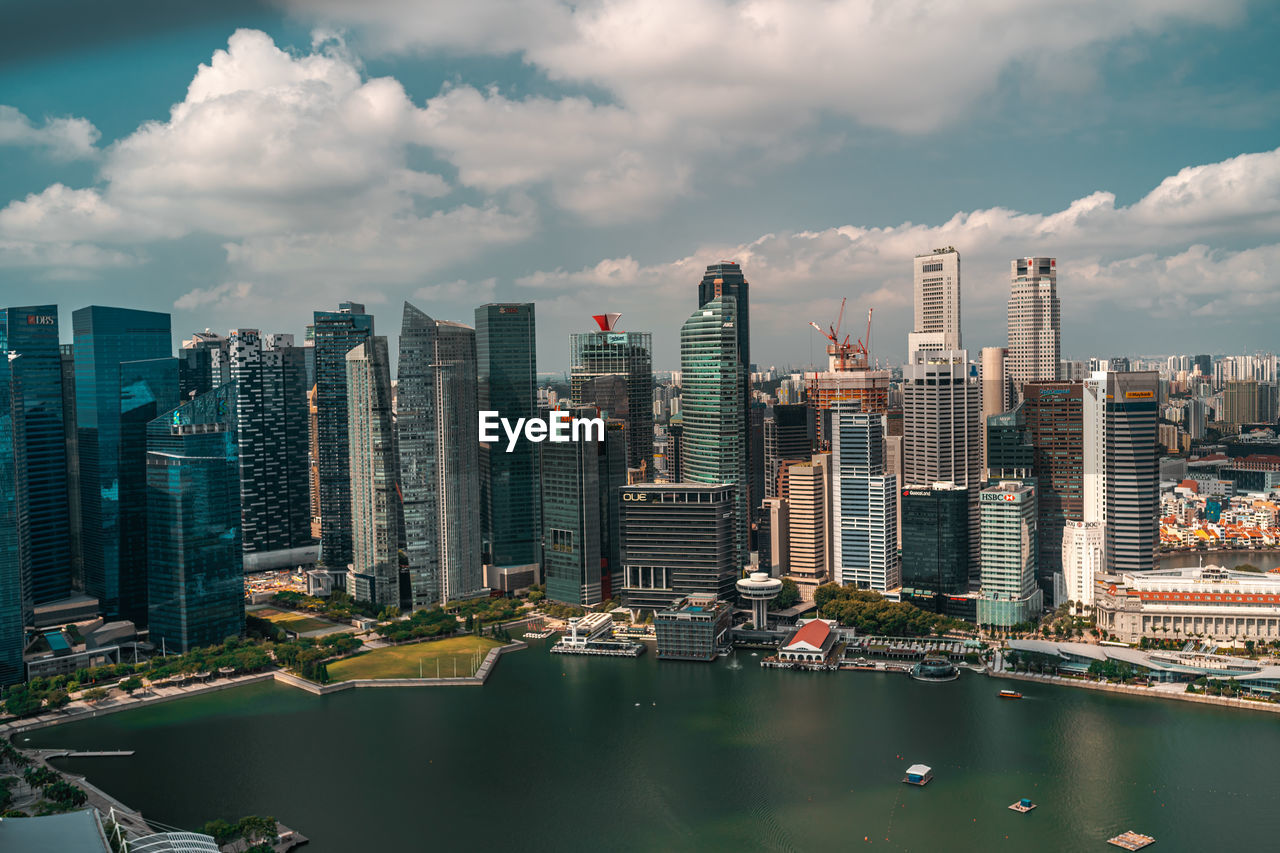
point(244, 163)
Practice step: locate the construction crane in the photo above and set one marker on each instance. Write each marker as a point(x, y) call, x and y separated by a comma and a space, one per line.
point(842, 354)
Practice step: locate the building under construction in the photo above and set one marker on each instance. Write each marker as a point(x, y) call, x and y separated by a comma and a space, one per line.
point(849, 377)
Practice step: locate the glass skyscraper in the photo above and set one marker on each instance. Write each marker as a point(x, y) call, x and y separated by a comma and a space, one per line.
point(596, 357)
point(32, 332)
point(573, 518)
point(336, 333)
point(506, 365)
point(726, 279)
point(126, 376)
point(864, 502)
point(194, 574)
point(714, 445)
point(375, 504)
point(14, 601)
point(437, 420)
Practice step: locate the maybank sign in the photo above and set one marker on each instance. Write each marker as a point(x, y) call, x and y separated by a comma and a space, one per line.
point(560, 427)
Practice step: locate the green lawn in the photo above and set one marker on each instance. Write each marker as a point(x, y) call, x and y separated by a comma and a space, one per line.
point(403, 661)
point(291, 621)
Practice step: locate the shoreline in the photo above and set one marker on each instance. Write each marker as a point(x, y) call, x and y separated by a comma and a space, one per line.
point(1133, 690)
point(79, 710)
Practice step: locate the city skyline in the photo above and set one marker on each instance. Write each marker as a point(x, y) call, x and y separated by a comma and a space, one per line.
point(446, 201)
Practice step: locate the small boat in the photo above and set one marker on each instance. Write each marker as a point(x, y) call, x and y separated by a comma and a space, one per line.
point(1010, 694)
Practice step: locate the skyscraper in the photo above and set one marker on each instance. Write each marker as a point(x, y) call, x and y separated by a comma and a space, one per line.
point(437, 417)
point(506, 353)
point(935, 538)
point(272, 434)
point(714, 447)
point(808, 517)
point(1010, 594)
point(375, 502)
point(942, 429)
point(1035, 321)
point(202, 364)
point(788, 435)
point(864, 503)
point(937, 303)
point(1010, 455)
point(573, 519)
point(1121, 465)
point(336, 334)
point(126, 377)
point(75, 530)
point(32, 333)
point(726, 279)
point(14, 591)
point(1055, 420)
point(194, 577)
point(597, 356)
point(1082, 556)
point(995, 382)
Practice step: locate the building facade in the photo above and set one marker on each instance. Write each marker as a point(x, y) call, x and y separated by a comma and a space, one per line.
point(808, 533)
point(1122, 464)
point(1204, 603)
point(1010, 592)
point(1035, 321)
point(935, 538)
point(1083, 558)
point(595, 359)
point(195, 577)
point(936, 287)
point(506, 368)
point(864, 522)
point(15, 601)
point(376, 513)
point(726, 279)
point(1055, 421)
point(694, 628)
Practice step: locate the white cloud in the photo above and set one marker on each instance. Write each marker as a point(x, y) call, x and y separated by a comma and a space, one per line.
point(63, 138)
point(228, 293)
point(462, 291)
point(62, 260)
point(686, 83)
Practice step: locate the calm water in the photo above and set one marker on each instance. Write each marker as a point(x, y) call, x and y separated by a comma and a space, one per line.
point(1265, 560)
point(554, 754)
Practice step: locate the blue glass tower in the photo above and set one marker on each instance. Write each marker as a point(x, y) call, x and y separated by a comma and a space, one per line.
point(32, 332)
point(336, 333)
point(194, 570)
point(14, 592)
point(125, 378)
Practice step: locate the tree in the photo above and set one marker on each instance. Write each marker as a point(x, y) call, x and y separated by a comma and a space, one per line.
point(789, 596)
point(131, 684)
point(22, 702)
point(56, 699)
point(94, 695)
point(65, 795)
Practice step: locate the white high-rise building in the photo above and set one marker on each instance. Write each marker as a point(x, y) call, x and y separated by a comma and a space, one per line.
point(1035, 322)
point(864, 503)
point(937, 303)
point(1083, 556)
point(1010, 594)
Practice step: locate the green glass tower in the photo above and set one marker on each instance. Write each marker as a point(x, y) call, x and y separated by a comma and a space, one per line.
point(714, 443)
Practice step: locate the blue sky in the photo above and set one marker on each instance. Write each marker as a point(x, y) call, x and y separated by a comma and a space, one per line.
point(245, 163)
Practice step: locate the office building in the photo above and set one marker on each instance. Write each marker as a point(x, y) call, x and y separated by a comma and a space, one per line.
point(202, 364)
point(1055, 420)
point(272, 432)
point(864, 504)
point(721, 280)
point(1010, 592)
point(15, 602)
point(775, 544)
point(376, 514)
point(335, 334)
point(756, 413)
point(1010, 454)
point(677, 540)
point(1121, 465)
point(788, 436)
point(126, 377)
point(75, 530)
point(943, 430)
point(935, 538)
point(437, 415)
point(195, 578)
point(694, 628)
point(506, 366)
point(714, 446)
point(1207, 603)
point(936, 288)
point(1083, 557)
point(1035, 322)
point(32, 333)
point(995, 384)
point(608, 352)
point(808, 533)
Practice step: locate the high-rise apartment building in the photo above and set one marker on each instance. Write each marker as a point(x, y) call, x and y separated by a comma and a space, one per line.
point(1035, 321)
point(1083, 556)
point(32, 333)
point(506, 362)
point(1055, 421)
point(937, 303)
point(1010, 593)
point(942, 429)
point(15, 602)
point(935, 538)
point(126, 377)
point(437, 418)
point(863, 502)
point(336, 333)
point(1240, 402)
point(376, 514)
point(714, 446)
point(1121, 465)
point(272, 431)
point(594, 359)
point(678, 539)
point(194, 577)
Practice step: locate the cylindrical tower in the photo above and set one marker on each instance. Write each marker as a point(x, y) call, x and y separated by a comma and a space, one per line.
point(759, 589)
